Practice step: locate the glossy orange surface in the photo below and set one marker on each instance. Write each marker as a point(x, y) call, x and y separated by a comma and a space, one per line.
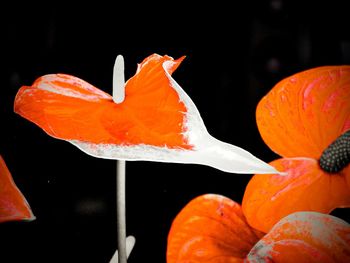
point(305, 187)
point(13, 205)
point(300, 117)
point(305, 237)
point(211, 228)
point(304, 113)
point(69, 108)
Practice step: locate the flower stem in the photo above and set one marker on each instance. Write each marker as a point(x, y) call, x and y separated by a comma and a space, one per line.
point(118, 97)
point(122, 258)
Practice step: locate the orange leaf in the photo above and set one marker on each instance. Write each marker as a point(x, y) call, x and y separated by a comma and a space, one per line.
point(293, 117)
point(305, 187)
point(211, 228)
point(13, 205)
point(304, 237)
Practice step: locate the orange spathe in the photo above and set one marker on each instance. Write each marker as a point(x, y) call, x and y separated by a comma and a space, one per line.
point(13, 205)
point(156, 121)
point(304, 113)
point(212, 228)
point(304, 187)
point(304, 237)
point(298, 119)
point(69, 108)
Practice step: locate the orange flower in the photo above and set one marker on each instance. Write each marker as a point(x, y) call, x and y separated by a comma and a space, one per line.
point(13, 205)
point(157, 121)
point(212, 228)
point(305, 119)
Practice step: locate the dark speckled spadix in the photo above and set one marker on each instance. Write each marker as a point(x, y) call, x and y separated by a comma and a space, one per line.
point(337, 156)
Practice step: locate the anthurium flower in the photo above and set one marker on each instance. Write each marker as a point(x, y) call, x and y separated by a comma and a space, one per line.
point(212, 228)
point(157, 121)
point(13, 205)
point(304, 237)
point(305, 119)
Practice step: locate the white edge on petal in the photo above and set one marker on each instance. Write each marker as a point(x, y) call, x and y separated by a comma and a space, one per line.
point(311, 223)
point(206, 151)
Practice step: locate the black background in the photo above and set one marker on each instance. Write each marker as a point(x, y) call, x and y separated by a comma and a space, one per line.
point(235, 53)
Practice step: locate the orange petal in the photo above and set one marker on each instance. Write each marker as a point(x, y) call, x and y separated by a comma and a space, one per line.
point(306, 237)
point(157, 121)
point(13, 205)
point(69, 108)
point(293, 117)
point(305, 187)
point(346, 172)
point(211, 228)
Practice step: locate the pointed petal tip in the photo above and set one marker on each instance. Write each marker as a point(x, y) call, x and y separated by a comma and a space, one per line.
point(180, 59)
point(30, 219)
point(260, 169)
point(283, 173)
point(17, 218)
point(268, 169)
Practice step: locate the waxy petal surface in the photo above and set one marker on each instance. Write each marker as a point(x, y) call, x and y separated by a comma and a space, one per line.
point(157, 121)
point(304, 113)
point(13, 205)
point(210, 228)
point(70, 108)
point(305, 187)
point(304, 237)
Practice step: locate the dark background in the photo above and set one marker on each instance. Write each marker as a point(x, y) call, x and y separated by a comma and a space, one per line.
point(235, 53)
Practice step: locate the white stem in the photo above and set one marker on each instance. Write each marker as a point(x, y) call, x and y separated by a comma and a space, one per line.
point(118, 97)
point(121, 211)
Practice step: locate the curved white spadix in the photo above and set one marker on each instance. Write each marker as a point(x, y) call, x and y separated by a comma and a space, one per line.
point(156, 121)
